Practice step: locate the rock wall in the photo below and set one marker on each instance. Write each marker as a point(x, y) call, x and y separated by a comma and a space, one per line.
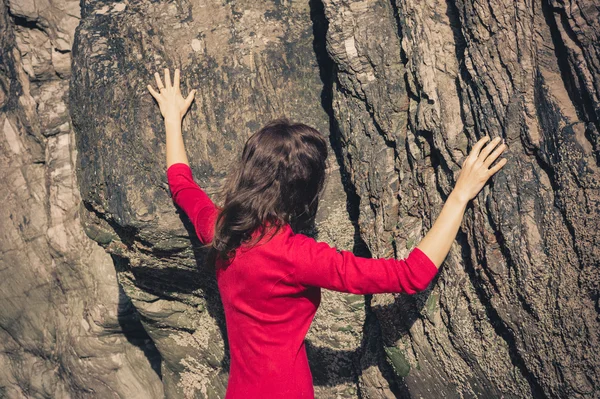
point(514, 311)
point(403, 89)
point(66, 328)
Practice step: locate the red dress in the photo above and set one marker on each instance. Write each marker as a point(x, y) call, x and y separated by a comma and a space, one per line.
point(270, 294)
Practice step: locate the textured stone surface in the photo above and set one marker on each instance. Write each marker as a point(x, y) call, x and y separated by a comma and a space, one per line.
point(404, 88)
point(514, 312)
point(66, 328)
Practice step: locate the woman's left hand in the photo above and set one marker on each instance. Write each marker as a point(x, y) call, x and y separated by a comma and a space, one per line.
point(169, 98)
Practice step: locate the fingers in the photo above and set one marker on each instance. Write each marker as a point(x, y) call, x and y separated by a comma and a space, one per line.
point(168, 85)
point(154, 94)
point(492, 157)
point(176, 79)
point(167, 78)
point(158, 81)
point(476, 148)
point(497, 167)
point(488, 148)
point(190, 98)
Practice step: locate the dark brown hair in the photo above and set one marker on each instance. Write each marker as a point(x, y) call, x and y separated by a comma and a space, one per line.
point(278, 181)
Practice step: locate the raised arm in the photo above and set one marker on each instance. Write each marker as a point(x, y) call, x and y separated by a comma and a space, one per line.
point(185, 192)
point(173, 108)
point(474, 174)
point(193, 200)
point(318, 264)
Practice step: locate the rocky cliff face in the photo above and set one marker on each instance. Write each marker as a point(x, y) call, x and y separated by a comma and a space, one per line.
point(66, 327)
point(106, 292)
point(514, 311)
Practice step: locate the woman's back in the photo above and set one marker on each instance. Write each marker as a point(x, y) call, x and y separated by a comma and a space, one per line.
point(271, 291)
point(267, 315)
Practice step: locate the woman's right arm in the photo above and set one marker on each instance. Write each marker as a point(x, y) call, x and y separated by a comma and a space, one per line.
point(318, 264)
point(474, 174)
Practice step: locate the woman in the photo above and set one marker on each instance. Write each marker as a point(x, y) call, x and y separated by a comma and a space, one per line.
point(269, 276)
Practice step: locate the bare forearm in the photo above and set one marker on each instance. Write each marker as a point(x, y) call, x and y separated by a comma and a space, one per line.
point(475, 172)
point(438, 240)
point(175, 147)
point(173, 107)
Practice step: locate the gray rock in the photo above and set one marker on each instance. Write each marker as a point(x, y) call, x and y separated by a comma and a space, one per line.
point(66, 328)
point(523, 270)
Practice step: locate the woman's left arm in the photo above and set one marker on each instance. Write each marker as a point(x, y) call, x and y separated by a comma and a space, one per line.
point(193, 200)
point(173, 107)
point(185, 192)
point(175, 147)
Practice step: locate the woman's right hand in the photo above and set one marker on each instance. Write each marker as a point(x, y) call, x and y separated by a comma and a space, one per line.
point(476, 169)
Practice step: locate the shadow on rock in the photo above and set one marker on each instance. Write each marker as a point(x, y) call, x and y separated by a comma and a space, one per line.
point(131, 326)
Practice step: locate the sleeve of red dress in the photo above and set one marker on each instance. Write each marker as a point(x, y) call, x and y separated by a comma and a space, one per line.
point(192, 200)
point(318, 264)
